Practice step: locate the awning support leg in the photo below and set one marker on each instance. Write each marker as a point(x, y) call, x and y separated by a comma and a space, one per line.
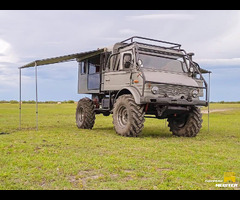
point(20, 98)
point(208, 98)
point(36, 96)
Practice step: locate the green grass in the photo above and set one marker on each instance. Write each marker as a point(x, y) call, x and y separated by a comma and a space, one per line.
point(60, 156)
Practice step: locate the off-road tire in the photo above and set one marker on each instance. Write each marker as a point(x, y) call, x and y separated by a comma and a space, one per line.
point(85, 115)
point(186, 125)
point(128, 117)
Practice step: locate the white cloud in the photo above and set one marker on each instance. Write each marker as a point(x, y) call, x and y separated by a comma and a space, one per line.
point(3, 46)
point(220, 61)
point(171, 16)
point(6, 52)
point(8, 69)
point(127, 31)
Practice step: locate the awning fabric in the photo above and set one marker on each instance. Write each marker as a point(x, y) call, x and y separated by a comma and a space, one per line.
point(79, 56)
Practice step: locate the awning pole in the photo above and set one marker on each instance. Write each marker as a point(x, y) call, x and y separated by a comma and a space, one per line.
point(36, 96)
point(20, 98)
point(208, 97)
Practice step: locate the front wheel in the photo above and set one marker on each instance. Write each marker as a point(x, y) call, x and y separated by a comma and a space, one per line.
point(128, 117)
point(186, 125)
point(85, 115)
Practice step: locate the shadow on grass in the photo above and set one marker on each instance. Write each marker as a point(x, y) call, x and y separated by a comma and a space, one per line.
point(103, 128)
point(147, 132)
point(4, 133)
point(159, 133)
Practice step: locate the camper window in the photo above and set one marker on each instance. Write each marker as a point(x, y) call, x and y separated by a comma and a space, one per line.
point(83, 67)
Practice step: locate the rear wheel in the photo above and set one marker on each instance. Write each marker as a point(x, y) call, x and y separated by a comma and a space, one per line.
point(85, 115)
point(186, 125)
point(128, 117)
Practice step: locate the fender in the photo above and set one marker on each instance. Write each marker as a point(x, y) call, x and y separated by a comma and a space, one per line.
point(130, 90)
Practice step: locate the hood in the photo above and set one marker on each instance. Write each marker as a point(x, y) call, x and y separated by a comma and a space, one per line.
point(170, 78)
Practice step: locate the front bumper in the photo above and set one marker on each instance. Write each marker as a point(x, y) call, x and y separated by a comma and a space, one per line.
point(172, 101)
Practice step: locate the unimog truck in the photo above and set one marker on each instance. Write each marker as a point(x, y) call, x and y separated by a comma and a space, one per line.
point(134, 79)
point(138, 78)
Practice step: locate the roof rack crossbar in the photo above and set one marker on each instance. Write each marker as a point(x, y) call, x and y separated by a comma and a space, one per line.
point(131, 39)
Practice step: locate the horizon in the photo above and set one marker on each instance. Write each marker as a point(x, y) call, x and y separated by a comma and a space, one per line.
point(13, 101)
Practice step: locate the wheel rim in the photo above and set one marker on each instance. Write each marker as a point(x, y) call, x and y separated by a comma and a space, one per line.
point(80, 114)
point(181, 122)
point(122, 116)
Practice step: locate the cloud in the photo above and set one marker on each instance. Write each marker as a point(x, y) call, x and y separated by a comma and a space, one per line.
point(127, 31)
point(220, 62)
point(6, 52)
point(7, 59)
point(170, 16)
point(30, 35)
point(8, 70)
point(3, 46)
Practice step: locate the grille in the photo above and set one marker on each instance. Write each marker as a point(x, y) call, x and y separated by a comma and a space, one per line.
point(174, 90)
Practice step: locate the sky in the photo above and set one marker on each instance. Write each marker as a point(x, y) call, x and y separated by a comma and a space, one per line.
point(28, 35)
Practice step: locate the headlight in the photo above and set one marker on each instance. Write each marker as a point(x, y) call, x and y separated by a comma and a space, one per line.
point(155, 89)
point(195, 93)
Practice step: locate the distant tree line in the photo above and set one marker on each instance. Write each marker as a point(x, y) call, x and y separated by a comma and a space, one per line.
point(227, 102)
point(33, 102)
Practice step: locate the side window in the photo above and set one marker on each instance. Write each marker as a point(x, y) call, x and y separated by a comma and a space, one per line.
point(113, 63)
point(119, 62)
point(93, 76)
point(83, 67)
point(127, 60)
point(91, 68)
point(104, 60)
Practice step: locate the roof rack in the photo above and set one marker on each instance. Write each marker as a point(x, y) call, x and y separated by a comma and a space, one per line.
point(171, 44)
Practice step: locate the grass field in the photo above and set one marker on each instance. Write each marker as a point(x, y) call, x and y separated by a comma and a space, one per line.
point(60, 156)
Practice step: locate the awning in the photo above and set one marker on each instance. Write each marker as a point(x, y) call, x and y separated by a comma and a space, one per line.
point(79, 56)
point(36, 63)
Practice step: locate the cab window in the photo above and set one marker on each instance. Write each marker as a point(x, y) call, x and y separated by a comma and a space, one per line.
point(113, 63)
point(127, 60)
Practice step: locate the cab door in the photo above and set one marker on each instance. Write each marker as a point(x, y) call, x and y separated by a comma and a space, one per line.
point(118, 71)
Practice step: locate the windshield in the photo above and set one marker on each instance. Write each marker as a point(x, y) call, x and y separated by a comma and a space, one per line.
point(175, 64)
